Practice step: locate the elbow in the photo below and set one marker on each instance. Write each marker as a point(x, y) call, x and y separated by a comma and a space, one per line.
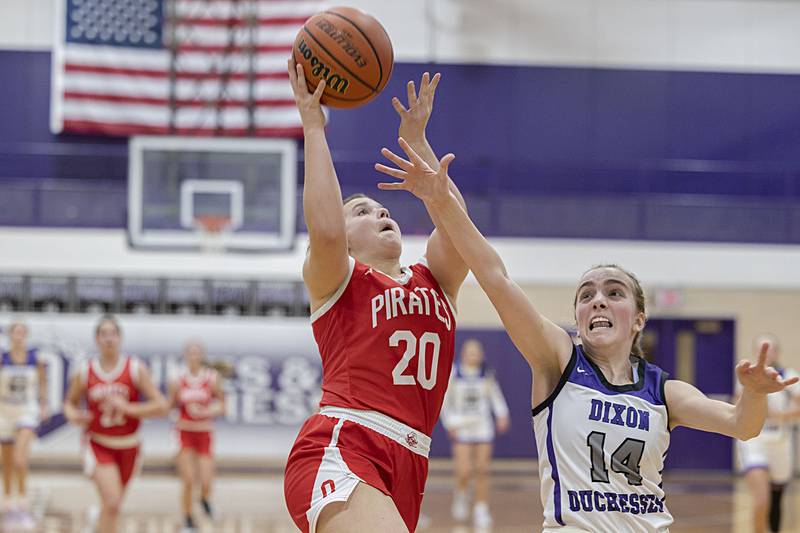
point(495, 282)
point(748, 433)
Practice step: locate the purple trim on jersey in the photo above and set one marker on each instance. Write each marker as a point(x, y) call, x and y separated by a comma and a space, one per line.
point(483, 371)
point(30, 359)
point(647, 387)
point(551, 456)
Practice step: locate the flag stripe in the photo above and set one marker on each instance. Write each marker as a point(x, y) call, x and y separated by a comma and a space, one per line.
point(209, 89)
point(242, 21)
point(69, 95)
point(91, 126)
point(220, 48)
point(144, 73)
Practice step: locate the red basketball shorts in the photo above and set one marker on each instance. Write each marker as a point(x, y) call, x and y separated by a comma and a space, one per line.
point(126, 459)
point(198, 441)
point(339, 448)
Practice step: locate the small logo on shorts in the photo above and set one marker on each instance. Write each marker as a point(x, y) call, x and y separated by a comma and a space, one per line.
point(330, 485)
point(411, 440)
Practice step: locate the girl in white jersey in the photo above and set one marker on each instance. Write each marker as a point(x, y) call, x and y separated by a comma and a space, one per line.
point(23, 403)
point(600, 410)
point(473, 396)
point(767, 459)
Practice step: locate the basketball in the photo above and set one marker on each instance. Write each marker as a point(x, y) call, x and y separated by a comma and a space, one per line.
point(350, 50)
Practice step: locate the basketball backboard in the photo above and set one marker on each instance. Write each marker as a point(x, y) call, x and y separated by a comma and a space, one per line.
point(173, 182)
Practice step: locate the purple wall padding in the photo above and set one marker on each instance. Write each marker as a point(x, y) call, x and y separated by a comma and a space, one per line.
point(541, 151)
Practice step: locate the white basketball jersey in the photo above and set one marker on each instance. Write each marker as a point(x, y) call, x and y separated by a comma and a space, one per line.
point(472, 397)
point(19, 383)
point(602, 448)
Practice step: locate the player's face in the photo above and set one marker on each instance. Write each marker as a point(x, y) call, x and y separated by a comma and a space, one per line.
point(472, 354)
point(606, 310)
point(193, 355)
point(108, 338)
point(370, 228)
point(17, 335)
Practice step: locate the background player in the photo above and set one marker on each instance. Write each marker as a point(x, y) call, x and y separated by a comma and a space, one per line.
point(472, 397)
point(112, 385)
point(599, 405)
point(386, 337)
point(23, 405)
point(767, 459)
point(198, 395)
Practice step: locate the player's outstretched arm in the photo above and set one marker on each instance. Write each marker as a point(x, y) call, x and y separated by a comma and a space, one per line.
point(444, 261)
point(546, 346)
point(326, 264)
point(691, 408)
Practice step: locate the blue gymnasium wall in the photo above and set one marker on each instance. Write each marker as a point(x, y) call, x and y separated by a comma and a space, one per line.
point(552, 152)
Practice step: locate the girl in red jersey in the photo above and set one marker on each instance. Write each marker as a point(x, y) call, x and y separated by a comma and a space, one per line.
point(198, 394)
point(386, 337)
point(112, 387)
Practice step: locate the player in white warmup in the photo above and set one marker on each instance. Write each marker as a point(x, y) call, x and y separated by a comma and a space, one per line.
point(473, 396)
point(23, 403)
point(767, 459)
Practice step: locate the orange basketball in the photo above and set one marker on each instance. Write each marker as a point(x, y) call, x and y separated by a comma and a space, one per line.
point(350, 50)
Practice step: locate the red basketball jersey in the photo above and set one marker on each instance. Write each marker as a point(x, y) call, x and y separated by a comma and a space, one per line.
point(196, 390)
point(100, 386)
point(387, 345)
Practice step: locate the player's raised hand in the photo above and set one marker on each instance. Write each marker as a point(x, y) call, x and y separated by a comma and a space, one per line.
point(757, 377)
point(415, 175)
point(414, 118)
point(307, 103)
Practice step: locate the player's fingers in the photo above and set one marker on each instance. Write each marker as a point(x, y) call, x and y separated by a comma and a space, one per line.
point(444, 163)
point(389, 171)
point(319, 90)
point(399, 186)
point(290, 68)
point(396, 159)
point(762, 354)
point(412, 93)
point(789, 381)
point(398, 106)
point(415, 159)
point(434, 83)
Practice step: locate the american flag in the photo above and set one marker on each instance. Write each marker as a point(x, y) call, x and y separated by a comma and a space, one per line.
point(188, 67)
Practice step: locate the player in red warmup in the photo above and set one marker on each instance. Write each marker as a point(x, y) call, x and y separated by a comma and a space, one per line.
point(113, 386)
point(198, 395)
point(386, 337)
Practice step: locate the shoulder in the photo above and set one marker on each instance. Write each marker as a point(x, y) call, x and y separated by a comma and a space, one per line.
point(136, 367)
point(321, 306)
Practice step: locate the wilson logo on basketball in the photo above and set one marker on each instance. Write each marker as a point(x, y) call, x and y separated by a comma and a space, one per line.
point(343, 39)
point(321, 70)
